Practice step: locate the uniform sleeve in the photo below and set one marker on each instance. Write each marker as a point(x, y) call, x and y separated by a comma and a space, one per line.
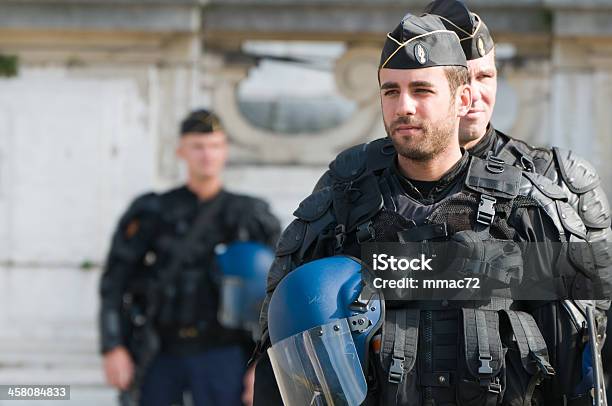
point(266, 223)
point(250, 218)
point(130, 242)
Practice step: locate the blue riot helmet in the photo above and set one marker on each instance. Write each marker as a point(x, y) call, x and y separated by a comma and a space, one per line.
point(321, 319)
point(243, 270)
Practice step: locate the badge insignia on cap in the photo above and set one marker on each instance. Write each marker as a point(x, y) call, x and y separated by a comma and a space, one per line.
point(420, 53)
point(480, 45)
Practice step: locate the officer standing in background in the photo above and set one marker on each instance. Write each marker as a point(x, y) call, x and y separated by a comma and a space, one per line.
point(160, 289)
point(402, 187)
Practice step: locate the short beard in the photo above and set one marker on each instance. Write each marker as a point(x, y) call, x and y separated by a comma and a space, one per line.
point(435, 137)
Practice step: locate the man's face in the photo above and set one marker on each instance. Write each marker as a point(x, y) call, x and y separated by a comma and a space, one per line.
point(483, 80)
point(419, 111)
point(204, 154)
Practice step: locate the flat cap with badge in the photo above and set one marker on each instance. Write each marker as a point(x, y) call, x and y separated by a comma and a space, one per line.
point(473, 33)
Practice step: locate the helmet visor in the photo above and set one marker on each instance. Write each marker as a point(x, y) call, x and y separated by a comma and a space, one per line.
point(319, 366)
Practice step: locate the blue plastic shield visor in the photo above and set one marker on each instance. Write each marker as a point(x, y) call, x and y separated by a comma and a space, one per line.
point(319, 366)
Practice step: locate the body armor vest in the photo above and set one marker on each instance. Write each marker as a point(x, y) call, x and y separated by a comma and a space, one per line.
point(395, 213)
point(461, 346)
point(469, 353)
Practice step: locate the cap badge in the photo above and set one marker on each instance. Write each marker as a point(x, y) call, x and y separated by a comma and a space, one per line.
point(420, 53)
point(480, 46)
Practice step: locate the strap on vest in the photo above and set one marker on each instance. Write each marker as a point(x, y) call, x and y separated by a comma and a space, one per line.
point(404, 327)
point(396, 370)
point(484, 356)
point(513, 155)
point(532, 347)
point(365, 232)
point(341, 198)
point(475, 328)
point(424, 232)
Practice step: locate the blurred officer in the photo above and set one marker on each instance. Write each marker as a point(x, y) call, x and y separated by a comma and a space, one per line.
point(418, 185)
point(161, 287)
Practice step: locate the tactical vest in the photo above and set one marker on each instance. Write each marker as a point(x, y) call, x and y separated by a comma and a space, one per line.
point(462, 347)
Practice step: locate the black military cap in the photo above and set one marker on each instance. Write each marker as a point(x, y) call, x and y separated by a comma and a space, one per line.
point(200, 121)
point(421, 42)
point(472, 31)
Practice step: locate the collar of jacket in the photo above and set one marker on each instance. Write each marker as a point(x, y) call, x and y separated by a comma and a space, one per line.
point(485, 144)
point(442, 185)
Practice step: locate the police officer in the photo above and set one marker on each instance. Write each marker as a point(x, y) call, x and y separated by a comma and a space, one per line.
point(430, 182)
point(574, 174)
point(161, 285)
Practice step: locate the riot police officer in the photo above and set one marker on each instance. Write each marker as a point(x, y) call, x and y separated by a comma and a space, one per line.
point(431, 182)
point(162, 282)
point(574, 174)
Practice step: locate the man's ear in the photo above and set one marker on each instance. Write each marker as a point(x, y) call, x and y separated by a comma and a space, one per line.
point(464, 100)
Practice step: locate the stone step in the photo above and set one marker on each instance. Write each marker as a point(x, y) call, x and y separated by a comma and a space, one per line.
point(45, 361)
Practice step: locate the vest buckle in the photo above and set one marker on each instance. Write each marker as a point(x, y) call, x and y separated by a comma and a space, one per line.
point(486, 210)
point(365, 232)
point(485, 365)
point(396, 372)
point(340, 232)
point(495, 387)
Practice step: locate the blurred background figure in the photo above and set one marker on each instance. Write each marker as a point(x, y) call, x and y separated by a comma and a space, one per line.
point(162, 285)
point(91, 93)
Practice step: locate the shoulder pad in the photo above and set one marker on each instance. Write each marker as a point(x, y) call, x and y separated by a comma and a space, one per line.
point(543, 161)
point(147, 203)
point(315, 205)
point(373, 156)
point(519, 153)
point(546, 186)
point(255, 203)
point(571, 220)
point(381, 153)
point(493, 178)
point(579, 175)
point(350, 163)
point(237, 198)
point(324, 181)
point(291, 239)
point(594, 208)
point(366, 202)
point(137, 226)
point(544, 202)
